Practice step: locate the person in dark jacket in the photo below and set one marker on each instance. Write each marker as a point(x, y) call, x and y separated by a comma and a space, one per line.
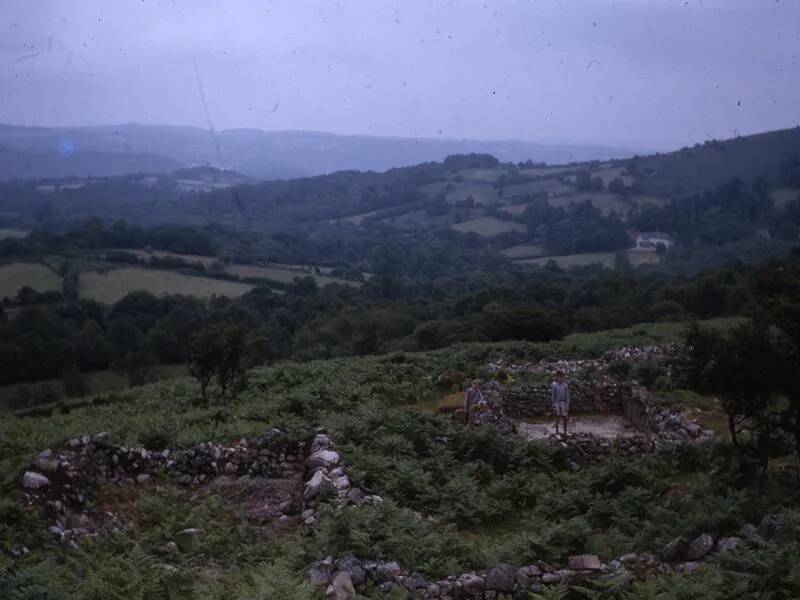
point(472, 398)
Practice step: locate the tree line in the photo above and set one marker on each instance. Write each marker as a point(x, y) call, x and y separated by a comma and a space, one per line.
point(389, 312)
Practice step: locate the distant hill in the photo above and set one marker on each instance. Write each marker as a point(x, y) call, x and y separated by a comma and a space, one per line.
point(715, 162)
point(529, 211)
point(20, 164)
point(256, 153)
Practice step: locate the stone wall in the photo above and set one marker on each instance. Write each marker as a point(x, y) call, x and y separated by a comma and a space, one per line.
point(528, 399)
point(668, 354)
point(326, 472)
point(587, 449)
point(348, 575)
point(659, 426)
point(61, 481)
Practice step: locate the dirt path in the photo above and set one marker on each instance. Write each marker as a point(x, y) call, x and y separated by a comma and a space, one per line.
point(601, 425)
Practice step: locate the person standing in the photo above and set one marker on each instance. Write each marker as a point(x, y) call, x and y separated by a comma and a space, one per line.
point(559, 397)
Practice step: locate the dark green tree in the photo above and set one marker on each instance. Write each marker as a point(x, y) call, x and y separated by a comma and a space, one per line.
point(218, 353)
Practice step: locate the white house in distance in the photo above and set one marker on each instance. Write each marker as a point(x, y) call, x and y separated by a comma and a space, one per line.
point(651, 239)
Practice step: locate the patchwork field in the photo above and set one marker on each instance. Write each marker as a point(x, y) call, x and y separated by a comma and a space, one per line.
point(606, 259)
point(6, 233)
point(523, 251)
point(539, 171)
point(609, 175)
point(481, 175)
point(434, 189)
point(643, 257)
point(606, 202)
point(195, 259)
point(280, 273)
point(488, 226)
point(13, 276)
point(553, 187)
point(283, 275)
point(112, 285)
point(420, 219)
point(482, 193)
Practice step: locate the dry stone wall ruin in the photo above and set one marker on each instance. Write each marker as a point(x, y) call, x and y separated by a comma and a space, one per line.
point(346, 576)
point(62, 481)
point(525, 399)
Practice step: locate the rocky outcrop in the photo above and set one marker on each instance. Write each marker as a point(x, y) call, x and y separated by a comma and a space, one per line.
point(326, 477)
point(700, 547)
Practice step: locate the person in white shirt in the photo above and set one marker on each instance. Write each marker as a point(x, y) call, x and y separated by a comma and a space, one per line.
point(559, 396)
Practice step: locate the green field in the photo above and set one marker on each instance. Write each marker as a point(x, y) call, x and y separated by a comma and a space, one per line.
point(432, 190)
point(482, 175)
point(284, 275)
point(606, 259)
point(482, 193)
point(643, 257)
point(610, 174)
point(539, 171)
point(488, 226)
point(567, 261)
point(112, 285)
point(12, 233)
point(13, 276)
point(280, 273)
point(606, 202)
point(523, 251)
point(553, 187)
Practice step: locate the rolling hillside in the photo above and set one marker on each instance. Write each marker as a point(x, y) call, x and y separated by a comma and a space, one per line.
point(706, 197)
point(715, 162)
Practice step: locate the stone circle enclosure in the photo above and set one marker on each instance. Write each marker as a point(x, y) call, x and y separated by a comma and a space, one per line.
point(525, 400)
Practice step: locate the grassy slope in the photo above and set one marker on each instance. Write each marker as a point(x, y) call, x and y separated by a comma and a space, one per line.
point(494, 499)
point(698, 169)
point(96, 382)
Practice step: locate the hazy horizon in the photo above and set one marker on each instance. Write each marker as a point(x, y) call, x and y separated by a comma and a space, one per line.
point(554, 141)
point(654, 74)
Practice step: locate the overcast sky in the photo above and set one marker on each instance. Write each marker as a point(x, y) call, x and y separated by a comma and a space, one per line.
point(658, 72)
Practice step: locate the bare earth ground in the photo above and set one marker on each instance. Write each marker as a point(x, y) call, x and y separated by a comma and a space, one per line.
point(259, 499)
point(601, 425)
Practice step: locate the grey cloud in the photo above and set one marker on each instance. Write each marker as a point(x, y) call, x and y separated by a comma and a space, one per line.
point(637, 71)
